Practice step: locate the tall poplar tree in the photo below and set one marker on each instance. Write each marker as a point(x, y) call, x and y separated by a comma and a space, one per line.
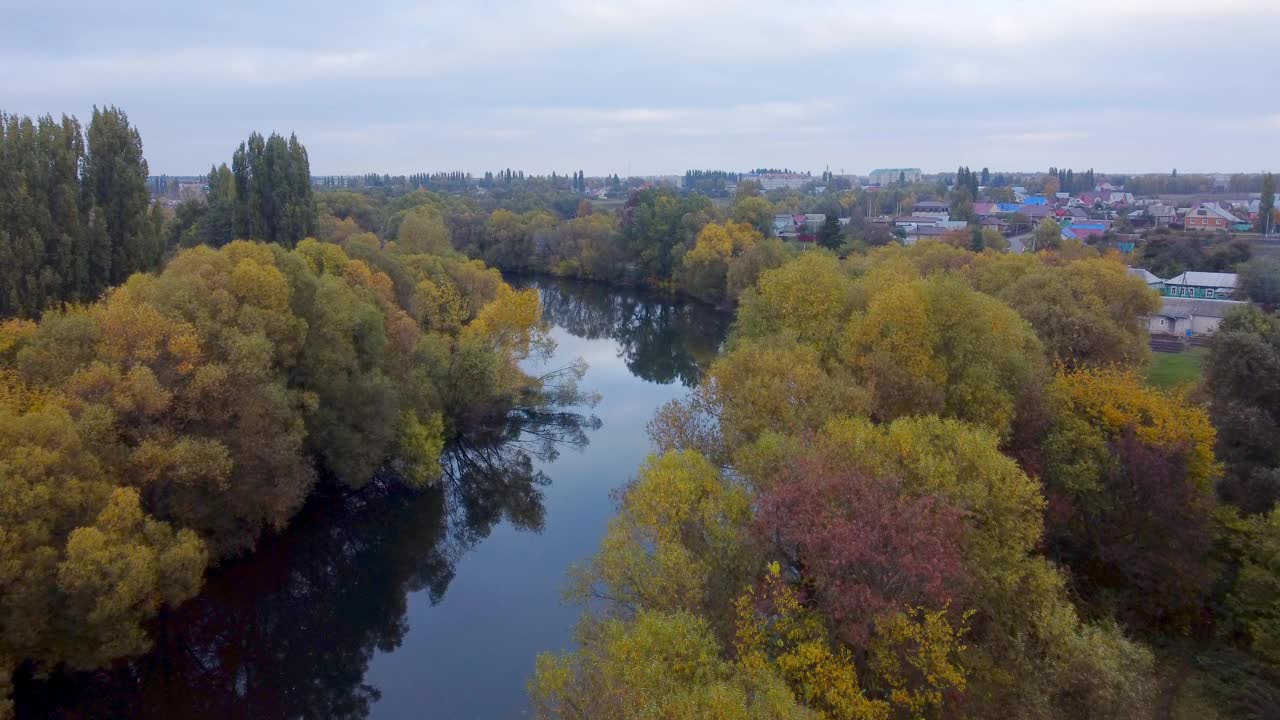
point(115, 182)
point(1267, 206)
point(274, 200)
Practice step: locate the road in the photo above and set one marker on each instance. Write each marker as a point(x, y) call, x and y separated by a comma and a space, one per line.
point(1018, 243)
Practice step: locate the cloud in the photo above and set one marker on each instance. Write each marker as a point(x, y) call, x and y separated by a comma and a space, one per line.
point(661, 85)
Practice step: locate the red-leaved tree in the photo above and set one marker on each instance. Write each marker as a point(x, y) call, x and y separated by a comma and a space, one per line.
point(861, 545)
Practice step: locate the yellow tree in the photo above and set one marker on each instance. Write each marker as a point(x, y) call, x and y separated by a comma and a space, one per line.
point(1131, 473)
point(936, 346)
point(423, 231)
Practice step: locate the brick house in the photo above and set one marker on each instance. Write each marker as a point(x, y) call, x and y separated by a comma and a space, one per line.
point(1209, 216)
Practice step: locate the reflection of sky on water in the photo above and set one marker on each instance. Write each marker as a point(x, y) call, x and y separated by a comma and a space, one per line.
point(470, 655)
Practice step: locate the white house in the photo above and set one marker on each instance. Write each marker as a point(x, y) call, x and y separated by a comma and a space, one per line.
point(1189, 316)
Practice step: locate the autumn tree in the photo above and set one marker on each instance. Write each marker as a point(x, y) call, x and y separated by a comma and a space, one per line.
point(1047, 235)
point(880, 550)
point(675, 544)
point(935, 346)
point(1130, 474)
point(704, 269)
point(423, 231)
point(1242, 377)
point(755, 211)
point(1086, 313)
point(807, 299)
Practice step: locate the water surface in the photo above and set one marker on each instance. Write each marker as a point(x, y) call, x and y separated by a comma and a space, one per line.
point(390, 604)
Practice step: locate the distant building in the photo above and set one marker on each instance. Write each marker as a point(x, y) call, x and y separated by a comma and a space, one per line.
point(1106, 197)
point(1189, 316)
point(933, 208)
point(1194, 284)
point(889, 176)
point(915, 233)
point(1162, 215)
point(995, 223)
point(1035, 213)
point(1153, 281)
point(780, 181)
point(1084, 231)
point(192, 190)
point(1209, 216)
point(784, 225)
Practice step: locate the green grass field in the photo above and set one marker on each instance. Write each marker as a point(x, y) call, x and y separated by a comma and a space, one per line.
point(1171, 370)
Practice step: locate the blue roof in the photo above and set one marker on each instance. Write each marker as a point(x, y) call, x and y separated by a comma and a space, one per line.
point(1089, 225)
point(1036, 200)
point(1067, 234)
point(1007, 207)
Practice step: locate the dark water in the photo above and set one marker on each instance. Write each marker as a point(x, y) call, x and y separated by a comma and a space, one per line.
point(433, 605)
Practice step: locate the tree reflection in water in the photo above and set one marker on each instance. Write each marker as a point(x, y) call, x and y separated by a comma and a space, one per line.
point(289, 631)
point(661, 341)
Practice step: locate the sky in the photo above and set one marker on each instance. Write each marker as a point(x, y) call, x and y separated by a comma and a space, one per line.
point(646, 87)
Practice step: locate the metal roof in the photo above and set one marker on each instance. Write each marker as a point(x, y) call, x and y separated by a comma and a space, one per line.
point(1146, 275)
point(1194, 278)
point(1186, 307)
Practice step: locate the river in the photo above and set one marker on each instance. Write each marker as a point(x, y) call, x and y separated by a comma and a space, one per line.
point(390, 604)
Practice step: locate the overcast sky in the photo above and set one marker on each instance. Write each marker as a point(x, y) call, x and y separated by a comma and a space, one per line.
point(659, 86)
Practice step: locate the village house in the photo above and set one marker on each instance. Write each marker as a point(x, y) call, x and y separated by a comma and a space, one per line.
point(1152, 280)
point(1189, 316)
point(940, 210)
point(996, 224)
point(1035, 213)
point(1084, 231)
point(1196, 284)
point(1209, 216)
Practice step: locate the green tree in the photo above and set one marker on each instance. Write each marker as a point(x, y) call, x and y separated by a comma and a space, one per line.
point(274, 200)
point(755, 211)
point(423, 231)
point(1047, 235)
point(829, 233)
point(1267, 206)
point(1260, 281)
point(1242, 376)
point(115, 178)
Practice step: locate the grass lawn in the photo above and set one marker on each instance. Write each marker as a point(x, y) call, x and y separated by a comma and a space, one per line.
point(1171, 370)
